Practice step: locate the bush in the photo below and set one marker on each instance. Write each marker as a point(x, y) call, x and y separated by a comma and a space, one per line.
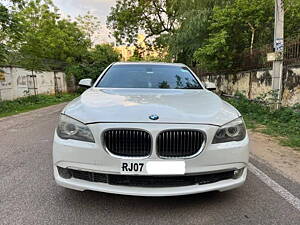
point(283, 122)
point(32, 102)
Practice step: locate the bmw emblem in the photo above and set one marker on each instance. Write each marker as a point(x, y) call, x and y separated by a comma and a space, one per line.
point(153, 117)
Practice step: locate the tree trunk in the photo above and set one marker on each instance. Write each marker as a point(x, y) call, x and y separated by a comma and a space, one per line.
point(251, 60)
point(252, 40)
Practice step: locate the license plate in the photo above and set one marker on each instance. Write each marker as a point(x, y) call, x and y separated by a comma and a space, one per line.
point(152, 167)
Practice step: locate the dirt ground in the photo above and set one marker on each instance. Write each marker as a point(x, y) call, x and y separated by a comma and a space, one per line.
point(267, 149)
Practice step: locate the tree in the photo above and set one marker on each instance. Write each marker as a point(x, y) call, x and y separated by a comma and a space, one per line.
point(90, 25)
point(292, 18)
point(153, 17)
point(240, 25)
point(97, 59)
point(48, 42)
point(176, 25)
point(4, 24)
point(101, 56)
point(211, 32)
point(8, 27)
point(185, 40)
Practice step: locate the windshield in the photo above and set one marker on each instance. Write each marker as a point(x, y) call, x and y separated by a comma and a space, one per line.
point(149, 76)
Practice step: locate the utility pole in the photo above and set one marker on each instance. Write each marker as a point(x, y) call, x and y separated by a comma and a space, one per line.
point(279, 50)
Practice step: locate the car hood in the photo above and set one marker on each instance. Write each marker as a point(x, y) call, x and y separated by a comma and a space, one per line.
point(136, 105)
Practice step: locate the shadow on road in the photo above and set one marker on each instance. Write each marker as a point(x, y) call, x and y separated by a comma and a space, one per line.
point(91, 198)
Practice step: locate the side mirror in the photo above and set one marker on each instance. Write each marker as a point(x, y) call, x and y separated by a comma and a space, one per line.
point(210, 86)
point(87, 83)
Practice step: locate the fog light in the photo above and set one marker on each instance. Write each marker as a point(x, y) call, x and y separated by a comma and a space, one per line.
point(64, 173)
point(238, 173)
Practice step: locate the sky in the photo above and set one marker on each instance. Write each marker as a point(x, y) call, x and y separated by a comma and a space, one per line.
point(99, 8)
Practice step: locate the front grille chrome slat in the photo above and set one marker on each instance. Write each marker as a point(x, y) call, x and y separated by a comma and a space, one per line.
point(179, 143)
point(127, 142)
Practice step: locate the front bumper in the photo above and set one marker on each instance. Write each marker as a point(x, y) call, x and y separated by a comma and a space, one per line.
point(82, 185)
point(92, 157)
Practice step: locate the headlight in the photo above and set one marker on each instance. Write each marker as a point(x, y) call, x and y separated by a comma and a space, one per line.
point(233, 131)
point(69, 128)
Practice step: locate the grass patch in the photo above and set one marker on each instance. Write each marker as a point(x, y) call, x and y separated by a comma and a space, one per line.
point(283, 123)
point(8, 108)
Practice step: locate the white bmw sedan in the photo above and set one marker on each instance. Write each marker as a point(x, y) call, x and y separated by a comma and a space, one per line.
point(150, 129)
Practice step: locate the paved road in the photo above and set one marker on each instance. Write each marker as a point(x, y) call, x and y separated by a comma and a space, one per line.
point(29, 195)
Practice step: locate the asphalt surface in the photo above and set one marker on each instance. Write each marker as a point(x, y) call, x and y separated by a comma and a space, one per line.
point(29, 195)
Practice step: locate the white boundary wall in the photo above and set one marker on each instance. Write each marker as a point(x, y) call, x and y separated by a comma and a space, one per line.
point(18, 82)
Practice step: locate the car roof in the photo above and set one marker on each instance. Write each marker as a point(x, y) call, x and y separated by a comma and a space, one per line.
point(149, 63)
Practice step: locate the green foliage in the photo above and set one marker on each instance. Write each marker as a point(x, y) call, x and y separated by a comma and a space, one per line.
point(46, 41)
point(215, 54)
point(8, 27)
point(25, 104)
point(184, 41)
point(211, 33)
point(270, 97)
point(93, 64)
point(292, 18)
point(193, 18)
point(284, 122)
point(135, 58)
point(89, 24)
point(47, 37)
point(128, 18)
point(178, 25)
point(240, 25)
